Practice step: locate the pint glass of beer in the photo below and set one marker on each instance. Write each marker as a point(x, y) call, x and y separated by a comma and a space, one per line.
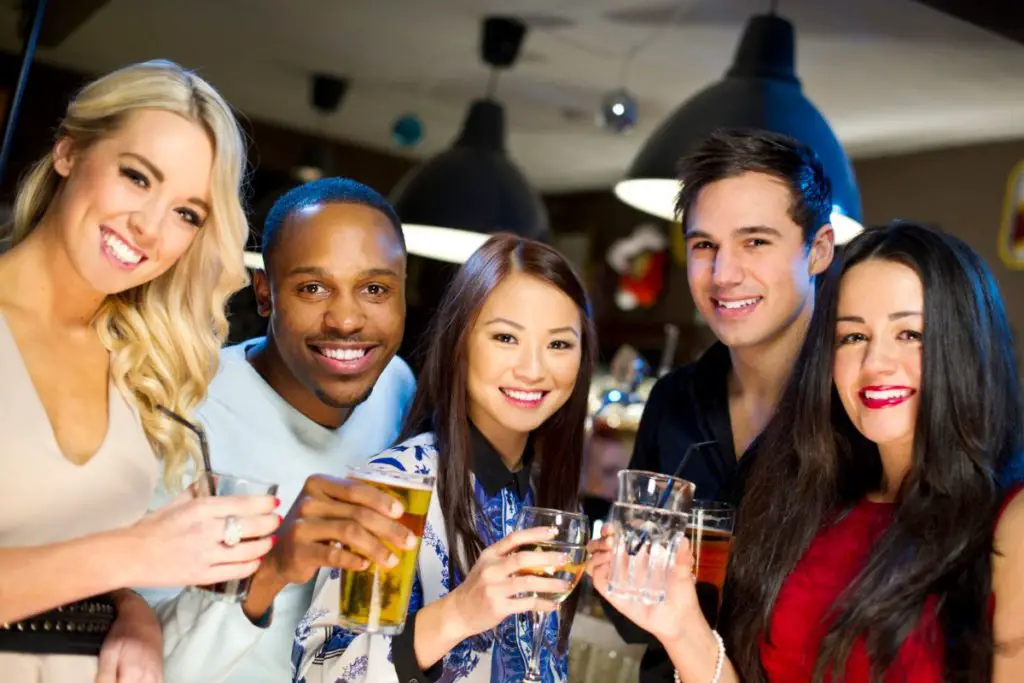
point(220, 484)
point(376, 599)
point(710, 533)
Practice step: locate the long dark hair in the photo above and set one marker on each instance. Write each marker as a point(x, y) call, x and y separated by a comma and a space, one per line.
point(442, 398)
point(813, 465)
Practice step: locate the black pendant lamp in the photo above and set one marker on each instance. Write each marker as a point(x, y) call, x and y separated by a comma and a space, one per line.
point(761, 90)
point(450, 204)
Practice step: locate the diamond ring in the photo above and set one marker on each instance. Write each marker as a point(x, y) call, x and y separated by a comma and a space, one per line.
point(232, 531)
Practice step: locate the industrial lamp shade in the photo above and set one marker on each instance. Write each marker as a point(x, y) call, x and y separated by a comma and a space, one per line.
point(760, 90)
point(453, 202)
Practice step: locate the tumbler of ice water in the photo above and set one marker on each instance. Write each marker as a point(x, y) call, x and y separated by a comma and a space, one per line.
point(220, 484)
point(376, 599)
point(649, 520)
point(654, 489)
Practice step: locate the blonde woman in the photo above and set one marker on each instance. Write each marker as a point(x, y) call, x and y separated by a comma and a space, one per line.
point(126, 242)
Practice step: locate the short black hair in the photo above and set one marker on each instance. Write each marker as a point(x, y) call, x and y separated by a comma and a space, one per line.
point(727, 153)
point(324, 191)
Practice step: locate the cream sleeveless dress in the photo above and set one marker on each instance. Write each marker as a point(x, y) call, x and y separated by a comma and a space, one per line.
point(45, 498)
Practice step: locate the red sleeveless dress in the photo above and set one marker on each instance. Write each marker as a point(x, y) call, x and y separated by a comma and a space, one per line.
point(831, 563)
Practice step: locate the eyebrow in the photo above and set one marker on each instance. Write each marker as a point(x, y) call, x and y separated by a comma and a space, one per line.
point(743, 232)
point(159, 175)
point(892, 316)
point(317, 271)
point(562, 330)
point(554, 330)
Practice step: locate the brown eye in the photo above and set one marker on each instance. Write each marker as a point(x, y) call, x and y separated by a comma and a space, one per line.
point(135, 177)
point(852, 338)
point(190, 216)
point(313, 289)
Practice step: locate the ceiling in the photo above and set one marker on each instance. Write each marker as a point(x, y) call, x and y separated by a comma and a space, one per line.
point(890, 75)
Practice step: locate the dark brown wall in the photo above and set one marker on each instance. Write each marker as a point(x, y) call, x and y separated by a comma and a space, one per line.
point(961, 190)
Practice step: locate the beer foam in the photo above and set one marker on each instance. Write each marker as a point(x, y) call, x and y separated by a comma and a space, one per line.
point(406, 480)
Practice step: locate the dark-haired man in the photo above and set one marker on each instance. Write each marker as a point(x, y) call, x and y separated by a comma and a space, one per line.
point(321, 392)
point(755, 209)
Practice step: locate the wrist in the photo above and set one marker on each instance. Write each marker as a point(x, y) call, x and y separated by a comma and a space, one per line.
point(452, 627)
point(266, 584)
point(437, 630)
point(122, 553)
point(125, 598)
point(694, 651)
point(133, 607)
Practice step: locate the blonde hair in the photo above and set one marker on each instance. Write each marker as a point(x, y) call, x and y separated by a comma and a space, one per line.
point(165, 335)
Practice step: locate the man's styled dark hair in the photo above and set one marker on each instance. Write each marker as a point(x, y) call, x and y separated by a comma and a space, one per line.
point(324, 191)
point(728, 153)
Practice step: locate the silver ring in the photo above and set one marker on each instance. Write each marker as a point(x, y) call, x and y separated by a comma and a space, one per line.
point(232, 531)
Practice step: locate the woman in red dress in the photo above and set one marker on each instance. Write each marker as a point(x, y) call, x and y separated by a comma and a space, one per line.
point(880, 538)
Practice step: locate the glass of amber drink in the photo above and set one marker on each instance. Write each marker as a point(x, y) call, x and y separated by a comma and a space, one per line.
point(376, 599)
point(709, 531)
point(572, 535)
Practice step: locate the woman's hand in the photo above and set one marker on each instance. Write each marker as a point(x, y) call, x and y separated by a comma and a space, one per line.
point(182, 543)
point(133, 650)
point(667, 620)
point(493, 588)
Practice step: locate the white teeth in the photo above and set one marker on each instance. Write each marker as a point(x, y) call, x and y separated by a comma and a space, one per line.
point(888, 393)
point(124, 253)
point(344, 354)
point(529, 396)
point(741, 303)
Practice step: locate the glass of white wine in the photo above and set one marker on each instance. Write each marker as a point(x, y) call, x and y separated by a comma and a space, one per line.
point(573, 533)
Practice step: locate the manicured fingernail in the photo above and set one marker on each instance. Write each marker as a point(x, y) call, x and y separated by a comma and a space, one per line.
point(410, 542)
point(552, 531)
point(392, 561)
point(277, 502)
point(280, 520)
point(564, 559)
point(397, 510)
point(273, 541)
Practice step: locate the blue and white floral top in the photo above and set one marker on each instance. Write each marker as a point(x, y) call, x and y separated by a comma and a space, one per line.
point(324, 653)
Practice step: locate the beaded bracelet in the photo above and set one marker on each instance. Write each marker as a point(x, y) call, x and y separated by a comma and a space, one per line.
point(719, 661)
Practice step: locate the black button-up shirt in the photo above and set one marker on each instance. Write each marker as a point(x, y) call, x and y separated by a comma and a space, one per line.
point(491, 471)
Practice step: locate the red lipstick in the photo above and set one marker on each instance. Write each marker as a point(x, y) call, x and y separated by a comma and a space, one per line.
point(884, 396)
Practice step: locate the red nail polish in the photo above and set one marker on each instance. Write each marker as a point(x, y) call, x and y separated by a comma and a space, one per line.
point(273, 541)
point(277, 502)
point(280, 520)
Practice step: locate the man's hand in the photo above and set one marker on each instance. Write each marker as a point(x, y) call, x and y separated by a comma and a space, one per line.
point(334, 522)
point(133, 650)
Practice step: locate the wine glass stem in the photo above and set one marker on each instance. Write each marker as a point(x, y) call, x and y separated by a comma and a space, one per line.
point(533, 671)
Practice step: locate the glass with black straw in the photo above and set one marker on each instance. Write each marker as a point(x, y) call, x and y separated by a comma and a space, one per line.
point(209, 482)
point(649, 519)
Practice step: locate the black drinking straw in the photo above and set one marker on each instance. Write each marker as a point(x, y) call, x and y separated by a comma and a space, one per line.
point(668, 489)
point(197, 430)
